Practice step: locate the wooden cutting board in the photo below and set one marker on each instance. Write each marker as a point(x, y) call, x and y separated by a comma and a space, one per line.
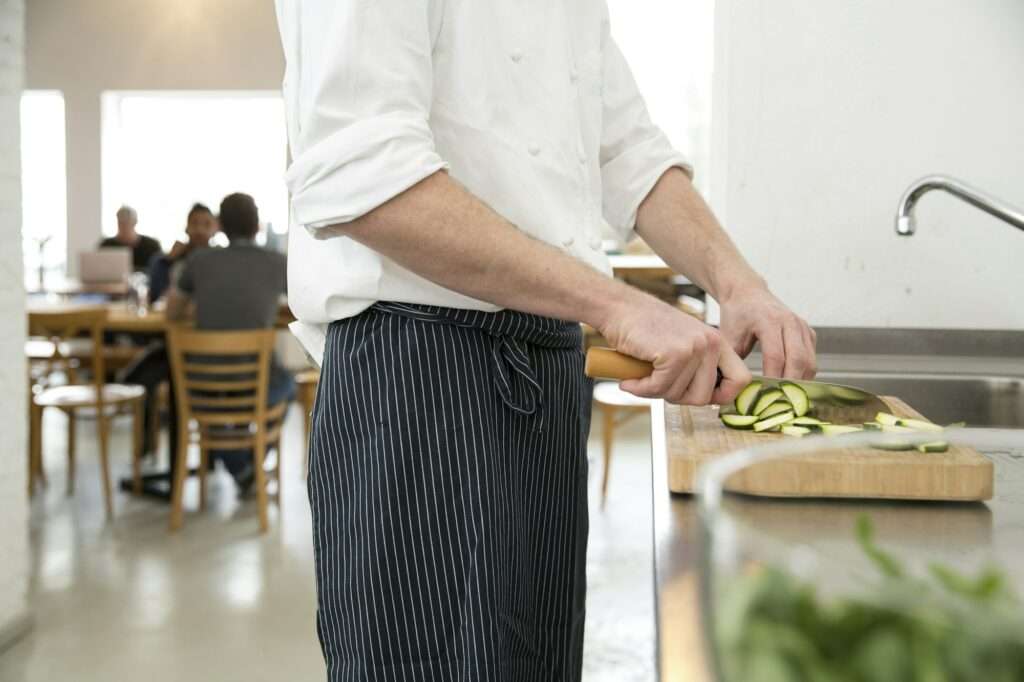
point(695, 435)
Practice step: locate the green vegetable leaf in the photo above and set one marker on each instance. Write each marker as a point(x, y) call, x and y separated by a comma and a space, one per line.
point(882, 559)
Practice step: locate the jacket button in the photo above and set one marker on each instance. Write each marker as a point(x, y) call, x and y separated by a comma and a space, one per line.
point(516, 56)
point(568, 241)
point(534, 150)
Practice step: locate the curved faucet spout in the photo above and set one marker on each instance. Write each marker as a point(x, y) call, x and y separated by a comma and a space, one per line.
point(906, 225)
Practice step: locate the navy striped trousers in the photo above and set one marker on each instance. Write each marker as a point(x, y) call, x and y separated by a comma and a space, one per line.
point(448, 485)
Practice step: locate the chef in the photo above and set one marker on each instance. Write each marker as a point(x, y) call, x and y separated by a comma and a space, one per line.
point(455, 165)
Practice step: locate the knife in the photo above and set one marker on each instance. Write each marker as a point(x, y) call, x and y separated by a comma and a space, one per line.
point(605, 363)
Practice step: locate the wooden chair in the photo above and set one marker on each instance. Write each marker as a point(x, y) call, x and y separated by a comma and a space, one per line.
point(617, 407)
point(221, 382)
point(61, 329)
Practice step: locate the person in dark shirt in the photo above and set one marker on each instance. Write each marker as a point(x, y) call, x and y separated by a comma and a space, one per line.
point(165, 269)
point(143, 247)
point(236, 288)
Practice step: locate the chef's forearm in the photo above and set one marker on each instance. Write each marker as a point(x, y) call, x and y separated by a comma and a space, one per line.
point(443, 233)
point(677, 223)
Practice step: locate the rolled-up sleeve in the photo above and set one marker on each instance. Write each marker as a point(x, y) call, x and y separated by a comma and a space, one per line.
point(634, 152)
point(358, 87)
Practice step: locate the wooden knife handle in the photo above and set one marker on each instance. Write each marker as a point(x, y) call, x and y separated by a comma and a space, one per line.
point(605, 363)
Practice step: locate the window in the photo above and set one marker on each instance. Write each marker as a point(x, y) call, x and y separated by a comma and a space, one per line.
point(162, 152)
point(669, 46)
point(44, 226)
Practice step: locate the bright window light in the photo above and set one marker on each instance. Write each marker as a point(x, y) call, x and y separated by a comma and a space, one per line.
point(44, 206)
point(669, 46)
point(163, 152)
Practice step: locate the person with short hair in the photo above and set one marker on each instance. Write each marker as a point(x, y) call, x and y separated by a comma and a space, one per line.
point(164, 269)
point(143, 248)
point(236, 288)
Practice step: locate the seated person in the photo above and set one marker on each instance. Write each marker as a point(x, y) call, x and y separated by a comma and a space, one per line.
point(236, 288)
point(165, 269)
point(143, 247)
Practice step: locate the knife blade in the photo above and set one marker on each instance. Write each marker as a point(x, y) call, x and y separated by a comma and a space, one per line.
point(856, 403)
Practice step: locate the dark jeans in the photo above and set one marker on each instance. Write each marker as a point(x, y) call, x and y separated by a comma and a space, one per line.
point(154, 368)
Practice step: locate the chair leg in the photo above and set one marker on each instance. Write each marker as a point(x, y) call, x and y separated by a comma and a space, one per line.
point(307, 414)
point(204, 464)
point(180, 473)
point(277, 473)
point(138, 423)
point(258, 454)
point(72, 450)
point(154, 420)
point(103, 424)
point(35, 450)
point(607, 438)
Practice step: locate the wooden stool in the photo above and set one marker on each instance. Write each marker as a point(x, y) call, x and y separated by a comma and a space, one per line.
point(103, 399)
point(614, 401)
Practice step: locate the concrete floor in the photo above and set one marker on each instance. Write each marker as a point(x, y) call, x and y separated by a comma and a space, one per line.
point(218, 601)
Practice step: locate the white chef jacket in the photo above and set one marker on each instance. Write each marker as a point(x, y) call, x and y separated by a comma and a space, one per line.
point(529, 104)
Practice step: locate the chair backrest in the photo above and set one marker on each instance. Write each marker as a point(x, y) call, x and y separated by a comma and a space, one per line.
point(221, 381)
point(62, 325)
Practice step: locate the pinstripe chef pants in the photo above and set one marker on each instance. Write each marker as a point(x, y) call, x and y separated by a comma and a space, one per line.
point(447, 482)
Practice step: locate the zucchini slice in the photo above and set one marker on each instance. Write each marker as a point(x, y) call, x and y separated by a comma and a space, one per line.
point(838, 429)
point(745, 400)
point(808, 421)
point(887, 419)
point(739, 421)
point(893, 447)
point(766, 399)
point(773, 422)
point(937, 446)
point(956, 425)
point(797, 397)
point(797, 431)
point(778, 407)
point(872, 426)
point(919, 425)
point(896, 428)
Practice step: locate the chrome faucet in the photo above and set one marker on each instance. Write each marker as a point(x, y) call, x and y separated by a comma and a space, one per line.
point(906, 224)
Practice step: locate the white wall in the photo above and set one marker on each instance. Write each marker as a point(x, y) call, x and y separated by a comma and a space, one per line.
point(13, 416)
point(825, 111)
point(85, 47)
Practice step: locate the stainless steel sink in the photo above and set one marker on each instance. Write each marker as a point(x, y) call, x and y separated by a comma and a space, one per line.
point(981, 401)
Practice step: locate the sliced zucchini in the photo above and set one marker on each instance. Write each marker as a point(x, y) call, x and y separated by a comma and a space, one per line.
point(937, 446)
point(919, 425)
point(767, 399)
point(838, 429)
point(886, 418)
point(807, 421)
point(798, 431)
point(872, 426)
point(739, 421)
point(773, 422)
point(846, 395)
point(797, 397)
point(745, 400)
point(775, 408)
point(956, 425)
point(896, 428)
point(895, 446)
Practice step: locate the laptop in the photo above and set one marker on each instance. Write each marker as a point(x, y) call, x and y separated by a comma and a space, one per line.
point(105, 266)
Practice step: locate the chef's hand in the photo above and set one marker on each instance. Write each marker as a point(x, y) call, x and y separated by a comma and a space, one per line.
point(787, 342)
point(685, 352)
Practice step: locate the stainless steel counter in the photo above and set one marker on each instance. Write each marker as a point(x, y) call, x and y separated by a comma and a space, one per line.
point(919, 531)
